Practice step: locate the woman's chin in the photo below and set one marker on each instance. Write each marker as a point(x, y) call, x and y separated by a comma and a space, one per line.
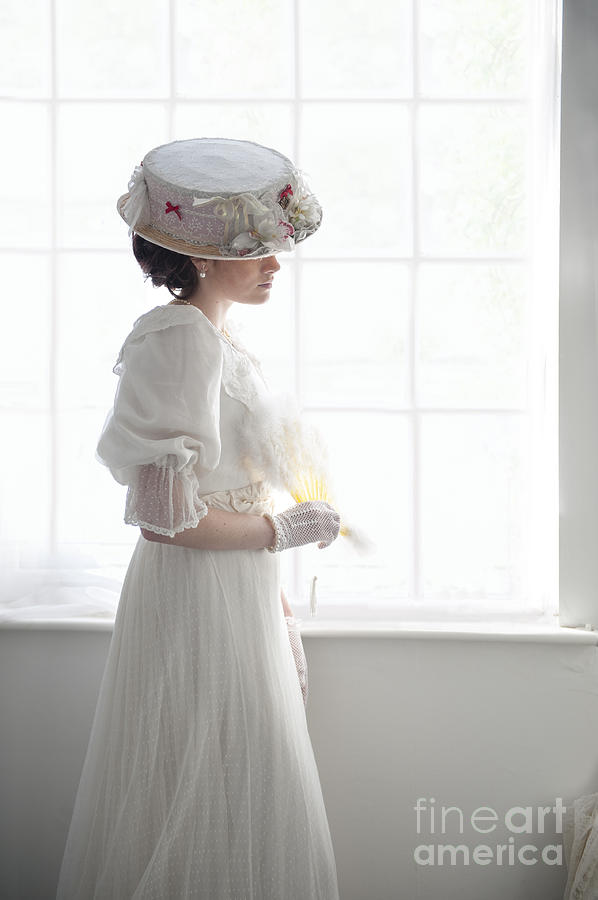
point(258, 301)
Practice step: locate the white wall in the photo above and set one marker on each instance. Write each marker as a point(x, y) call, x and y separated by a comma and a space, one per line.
point(469, 722)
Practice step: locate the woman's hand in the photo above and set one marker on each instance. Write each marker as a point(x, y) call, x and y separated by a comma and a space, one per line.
point(304, 523)
point(296, 645)
point(298, 654)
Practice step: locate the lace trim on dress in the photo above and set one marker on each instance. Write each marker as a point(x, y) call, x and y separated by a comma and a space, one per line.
point(237, 369)
point(237, 380)
point(163, 500)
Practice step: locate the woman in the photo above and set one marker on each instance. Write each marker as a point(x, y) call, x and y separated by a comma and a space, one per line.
point(200, 779)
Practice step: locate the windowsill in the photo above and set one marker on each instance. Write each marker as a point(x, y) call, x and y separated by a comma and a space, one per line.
point(460, 631)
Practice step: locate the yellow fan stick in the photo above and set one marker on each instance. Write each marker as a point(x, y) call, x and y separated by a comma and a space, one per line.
point(310, 486)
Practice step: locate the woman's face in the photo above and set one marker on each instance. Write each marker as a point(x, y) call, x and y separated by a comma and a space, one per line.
point(241, 280)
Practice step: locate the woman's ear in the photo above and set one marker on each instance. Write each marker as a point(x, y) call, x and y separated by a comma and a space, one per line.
point(201, 265)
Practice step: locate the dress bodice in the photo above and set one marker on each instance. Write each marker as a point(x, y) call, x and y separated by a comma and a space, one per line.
point(190, 402)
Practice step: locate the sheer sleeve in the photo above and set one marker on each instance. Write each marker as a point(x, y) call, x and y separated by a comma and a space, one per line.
point(163, 431)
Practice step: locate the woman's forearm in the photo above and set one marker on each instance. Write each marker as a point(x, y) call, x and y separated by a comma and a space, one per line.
point(221, 530)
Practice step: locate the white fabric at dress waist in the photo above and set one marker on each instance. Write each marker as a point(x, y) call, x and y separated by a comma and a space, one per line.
point(255, 498)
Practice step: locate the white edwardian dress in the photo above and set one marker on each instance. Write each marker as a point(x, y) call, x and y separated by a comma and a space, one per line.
point(200, 779)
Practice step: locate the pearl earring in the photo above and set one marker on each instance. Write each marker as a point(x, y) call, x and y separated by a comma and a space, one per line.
point(202, 274)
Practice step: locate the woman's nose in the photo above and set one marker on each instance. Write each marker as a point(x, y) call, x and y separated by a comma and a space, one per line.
point(273, 264)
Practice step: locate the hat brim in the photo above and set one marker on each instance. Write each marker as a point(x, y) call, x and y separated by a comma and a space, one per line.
point(162, 239)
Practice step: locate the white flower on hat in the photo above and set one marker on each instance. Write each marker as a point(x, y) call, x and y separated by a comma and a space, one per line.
point(272, 228)
point(303, 210)
point(282, 239)
point(244, 242)
point(269, 231)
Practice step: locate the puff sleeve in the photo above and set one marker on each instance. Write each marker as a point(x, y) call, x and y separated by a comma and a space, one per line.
point(163, 431)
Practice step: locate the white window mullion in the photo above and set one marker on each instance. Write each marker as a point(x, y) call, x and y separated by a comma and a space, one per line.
point(171, 67)
point(53, 336)
point(295, 562)
point(415, 568)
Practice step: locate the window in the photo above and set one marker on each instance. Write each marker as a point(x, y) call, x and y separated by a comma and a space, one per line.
point(420, 322)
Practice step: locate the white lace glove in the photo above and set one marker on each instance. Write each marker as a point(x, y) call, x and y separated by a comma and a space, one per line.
point(298, 653)
point(312, 520)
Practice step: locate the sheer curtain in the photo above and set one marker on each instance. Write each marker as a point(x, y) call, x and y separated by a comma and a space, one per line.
point(418, 330)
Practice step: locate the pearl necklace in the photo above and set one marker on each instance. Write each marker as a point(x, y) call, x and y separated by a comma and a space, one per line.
point(222, 331)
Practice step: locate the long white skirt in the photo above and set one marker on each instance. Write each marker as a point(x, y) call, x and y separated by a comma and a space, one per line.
point(199, 779)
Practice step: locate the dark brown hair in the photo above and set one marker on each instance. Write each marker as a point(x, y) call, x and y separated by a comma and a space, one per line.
point(166, 267)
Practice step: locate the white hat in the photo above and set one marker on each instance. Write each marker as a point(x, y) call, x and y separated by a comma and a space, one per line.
point(219, 198)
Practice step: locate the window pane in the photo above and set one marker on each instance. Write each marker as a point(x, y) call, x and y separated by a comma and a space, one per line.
point(362, 52)
point(225, 50)
point(25, 195)
point(369, 463)
point(95, 314)
point(474, 498)
point(270, 124)
point(473, 49)
point(473, 186)
point(25, 57)
point(472, 335)
point(99, 146)
point(357, 158)
point(112, 49)
point(91, 505)
point(25, 478)
point(24, 364)
point(354, 334)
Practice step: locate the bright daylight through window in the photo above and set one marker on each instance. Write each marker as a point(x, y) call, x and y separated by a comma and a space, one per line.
point(418, 328)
